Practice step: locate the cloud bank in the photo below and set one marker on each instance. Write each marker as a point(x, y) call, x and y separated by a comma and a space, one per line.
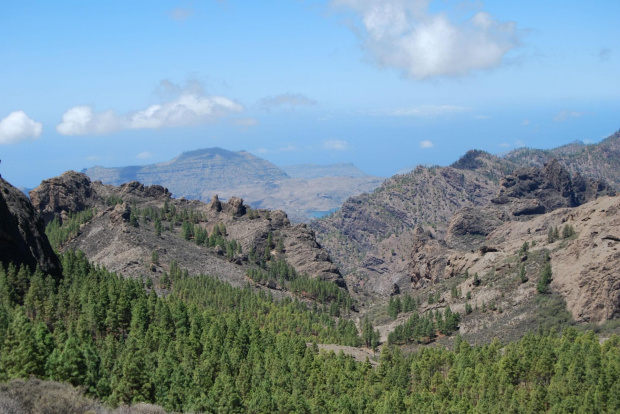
point(17, 126)
point(404, 35)
point(188, 109)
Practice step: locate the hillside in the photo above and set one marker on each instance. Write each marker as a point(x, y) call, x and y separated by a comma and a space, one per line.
point(200, 174)
point(371, 224)
point(141, 231)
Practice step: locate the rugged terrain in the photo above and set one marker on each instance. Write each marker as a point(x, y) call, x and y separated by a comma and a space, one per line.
point(22, 233)
point(123, 236)
point(599, 161)
point(200, 174)
point(371, 236)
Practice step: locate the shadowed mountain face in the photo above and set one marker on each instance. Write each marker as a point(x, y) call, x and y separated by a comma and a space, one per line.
point(200, 174)
point(22, 233)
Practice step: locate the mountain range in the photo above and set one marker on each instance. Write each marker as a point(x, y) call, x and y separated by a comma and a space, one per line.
point(300, 190)
point(494, 248)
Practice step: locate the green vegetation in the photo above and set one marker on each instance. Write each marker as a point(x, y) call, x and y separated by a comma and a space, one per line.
point(545, 279)
point(424, 329)
point(58, 233)
point(316, 289)
point(210, 347)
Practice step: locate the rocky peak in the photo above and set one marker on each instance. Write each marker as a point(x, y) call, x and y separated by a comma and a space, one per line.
point(22, 233)
point(215, 204)
point(70, 192)
point(236, 207)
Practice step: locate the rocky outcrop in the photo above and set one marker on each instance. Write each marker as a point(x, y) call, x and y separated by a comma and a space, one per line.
point(236, 207)
point(526, 193)
point(22, 233)
point(215, 204)
point(70, 192)
point(552, 186)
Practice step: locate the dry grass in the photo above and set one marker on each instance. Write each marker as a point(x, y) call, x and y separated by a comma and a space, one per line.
point(47, 397)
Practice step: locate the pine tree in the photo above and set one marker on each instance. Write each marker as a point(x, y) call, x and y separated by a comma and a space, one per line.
point(20, 357)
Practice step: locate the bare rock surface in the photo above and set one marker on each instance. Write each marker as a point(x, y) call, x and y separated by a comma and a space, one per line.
point(22, 233)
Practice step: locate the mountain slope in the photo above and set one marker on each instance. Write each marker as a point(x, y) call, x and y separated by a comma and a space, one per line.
point(132, 221)
point(426, 196)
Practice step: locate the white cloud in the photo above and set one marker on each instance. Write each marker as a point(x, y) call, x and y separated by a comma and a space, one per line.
point(336, 145)
point(261, 150)
point(504, 145)
point(565, 115)
point(17, 126)
point(481, 117)
point(144, 155)
point(525, 122)
point(189, 108)
point(422, 111)
point(426, 144)
point(285, 100)
point(403, 34)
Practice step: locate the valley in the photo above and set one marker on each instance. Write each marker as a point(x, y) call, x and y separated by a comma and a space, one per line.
point(438, 261)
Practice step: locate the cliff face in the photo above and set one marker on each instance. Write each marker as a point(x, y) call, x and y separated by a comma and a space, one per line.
point(111, 239)
point(22, 233)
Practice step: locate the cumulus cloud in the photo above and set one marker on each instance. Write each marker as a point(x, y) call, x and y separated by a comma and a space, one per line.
point(290, 100)
point(426, 144)
point(405, 35)
point(189, 108)
point(422, 111)
point(17, 126)
point(566, 115)
point(336, 145)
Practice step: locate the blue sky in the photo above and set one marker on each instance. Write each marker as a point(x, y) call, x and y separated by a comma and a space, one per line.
point(383, 84)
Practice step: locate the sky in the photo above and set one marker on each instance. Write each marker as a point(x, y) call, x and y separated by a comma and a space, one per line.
point(384, 84)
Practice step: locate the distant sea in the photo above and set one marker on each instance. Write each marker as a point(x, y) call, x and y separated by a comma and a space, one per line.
point(315, 214)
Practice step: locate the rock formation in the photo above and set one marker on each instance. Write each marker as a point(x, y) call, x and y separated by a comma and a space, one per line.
point(22, 233)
